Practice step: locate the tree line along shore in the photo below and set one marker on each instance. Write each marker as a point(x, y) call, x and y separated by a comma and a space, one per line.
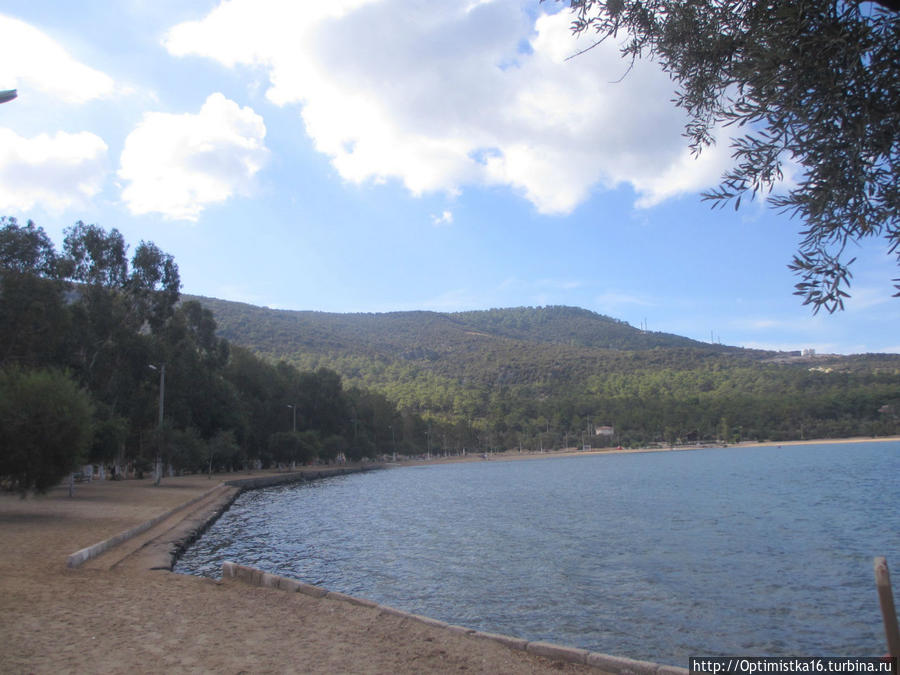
point(104, 363)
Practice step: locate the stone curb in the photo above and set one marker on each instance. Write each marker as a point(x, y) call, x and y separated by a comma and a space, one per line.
point(511, 642)
point(80, 557)
point(170, 546)
point(297, 477)
point(343, 597)
point(558, 652)
point(611, 664)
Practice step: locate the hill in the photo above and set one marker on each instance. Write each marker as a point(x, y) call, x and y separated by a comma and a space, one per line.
point(512, 372)
point(284, 333)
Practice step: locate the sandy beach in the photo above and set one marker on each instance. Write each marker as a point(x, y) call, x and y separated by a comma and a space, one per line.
point(511, 455)
point(123, 618)
point(95, 620)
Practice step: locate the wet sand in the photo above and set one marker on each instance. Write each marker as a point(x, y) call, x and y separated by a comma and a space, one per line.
point(125, 620)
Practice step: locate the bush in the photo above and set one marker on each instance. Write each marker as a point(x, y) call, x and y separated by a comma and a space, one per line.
point(45, 428)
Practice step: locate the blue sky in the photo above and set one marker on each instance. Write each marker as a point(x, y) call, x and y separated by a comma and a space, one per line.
point(382, 155)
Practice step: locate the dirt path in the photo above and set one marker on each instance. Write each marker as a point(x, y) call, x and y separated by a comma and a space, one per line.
point(115, 617)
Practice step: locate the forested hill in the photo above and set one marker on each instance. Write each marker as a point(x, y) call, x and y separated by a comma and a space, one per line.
point(455, 364)
point(535, 375)
point(285, 334)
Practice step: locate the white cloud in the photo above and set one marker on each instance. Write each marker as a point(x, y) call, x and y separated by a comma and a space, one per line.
point(33, 59)
point(177, 165)
point(54, 172)
point(443, 94)
point(446, 218)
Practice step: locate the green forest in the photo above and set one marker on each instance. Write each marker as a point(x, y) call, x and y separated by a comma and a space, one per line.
point(89, 340)
point(535, 377)
point(104, 362)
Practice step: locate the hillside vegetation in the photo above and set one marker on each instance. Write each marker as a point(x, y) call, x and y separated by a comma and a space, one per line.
point(541, 376)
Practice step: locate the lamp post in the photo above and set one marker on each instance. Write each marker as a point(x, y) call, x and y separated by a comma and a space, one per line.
point(162, 401)
point(294, 408)
point(8, 95)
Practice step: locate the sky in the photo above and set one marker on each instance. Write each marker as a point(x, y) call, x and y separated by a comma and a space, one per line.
point(393, 155)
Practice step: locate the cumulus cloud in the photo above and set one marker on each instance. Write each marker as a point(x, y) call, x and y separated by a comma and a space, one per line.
point(443, 94)
point(56, 172)
point(177, 165)
point(33, 59)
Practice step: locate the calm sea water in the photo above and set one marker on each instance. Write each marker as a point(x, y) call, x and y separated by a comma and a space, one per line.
point(763, 551)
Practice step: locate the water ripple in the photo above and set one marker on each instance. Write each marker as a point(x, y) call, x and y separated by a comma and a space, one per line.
point(763, 551)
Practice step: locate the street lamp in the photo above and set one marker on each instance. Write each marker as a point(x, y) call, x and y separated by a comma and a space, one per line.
point(162, 401)
point(294, 408)
point(8, 95)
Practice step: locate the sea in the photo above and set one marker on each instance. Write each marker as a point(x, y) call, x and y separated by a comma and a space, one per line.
point(751, 551)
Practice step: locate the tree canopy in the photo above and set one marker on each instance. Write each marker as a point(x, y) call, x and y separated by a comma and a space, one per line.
point(536, 377)
point(814, 84)
point(79, 332)
point(45, 428)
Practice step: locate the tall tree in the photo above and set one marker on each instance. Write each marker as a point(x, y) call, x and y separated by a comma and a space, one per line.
point(33, 321)
point(154, 284)
point(815, 83)
point(26, 249)
point(95, 257)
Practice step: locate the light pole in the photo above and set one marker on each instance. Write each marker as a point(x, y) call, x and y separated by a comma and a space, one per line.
point(294, 408)
point(162, 402)
point(8, 95)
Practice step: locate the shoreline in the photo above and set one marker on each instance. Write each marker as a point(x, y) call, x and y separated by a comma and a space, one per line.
point(514, 455)
point(121, 619)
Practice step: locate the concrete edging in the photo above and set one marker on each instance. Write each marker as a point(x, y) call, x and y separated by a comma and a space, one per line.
point(80, 557)
point(258, 482)
point(612, 664)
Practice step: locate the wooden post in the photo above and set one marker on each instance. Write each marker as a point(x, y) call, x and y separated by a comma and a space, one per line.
point(888, 613)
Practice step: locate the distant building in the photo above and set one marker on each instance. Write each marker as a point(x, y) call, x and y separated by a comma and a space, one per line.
point(808, 352)
point(604, 431)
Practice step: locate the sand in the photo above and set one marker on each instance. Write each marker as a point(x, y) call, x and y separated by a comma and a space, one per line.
point(125, 619)
point(511, 455)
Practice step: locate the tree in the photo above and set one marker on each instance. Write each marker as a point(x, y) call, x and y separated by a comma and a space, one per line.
point(110, 434)
point(95, 257)
point(45, 428)
point(223, 451)
point(814, 83)
point(33, 321)
point(26, 249)
point(154, 284)
point(149, 289)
